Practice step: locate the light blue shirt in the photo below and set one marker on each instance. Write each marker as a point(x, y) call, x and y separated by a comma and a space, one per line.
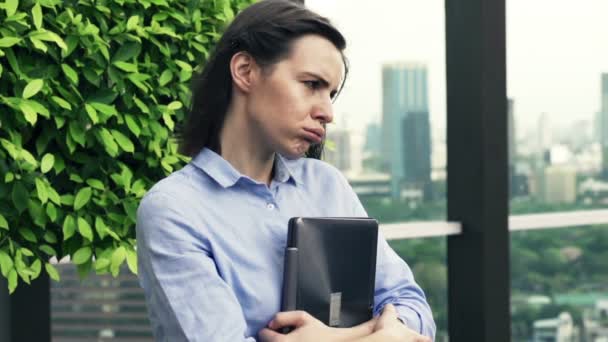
point(210, 245)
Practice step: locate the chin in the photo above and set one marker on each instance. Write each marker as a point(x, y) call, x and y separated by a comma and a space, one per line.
point(293, 152)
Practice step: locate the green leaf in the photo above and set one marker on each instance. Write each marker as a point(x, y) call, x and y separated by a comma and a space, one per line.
point(32, 88)
point(61, 102)
point(36, 266)
point(85, 229)
point(70, 73)
point(28, 234)
point(165, 77)
point(52, 271)
point(47, 163)
point(51, 211)
point(28, 158)
point(41, 190)
point(69, 227)
point(50, 237)
point(37, 15)
point(38, 44)
point(100, 227)
point(132, 260)
point(46, 35)
point(48, 250)
point(77, 133)
point(9, 41)
point(128, 67)
point(95, 184)
point(82, 197)
point(101, 263)
point(92, 113)
point(12, 281)
point(127, 51)
point(132, 124)
point(20, 197)
point(11, 7)
point(53, 195)
point(108, 142)
point(38, 107)
point(6, 263)
point(37, 213)
point(132, 23)
point(82, 255)
point(3, 222)
point(104, 108)
point(28, 112)
point(175, 105)
point(118, 257)
point(26, 252)
point(123, 141)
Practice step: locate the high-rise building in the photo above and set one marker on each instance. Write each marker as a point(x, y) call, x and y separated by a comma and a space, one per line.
point(373, 139)
point(372, 149)
point(337, 152)
point(511, 130)
point(406, 143)
point(559, 184)
point(604, 126)
point(416, 140)
point(513, 186)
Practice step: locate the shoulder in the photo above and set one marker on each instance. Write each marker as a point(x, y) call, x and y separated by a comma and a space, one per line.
point(319, 175)
point(318, 171)
point(178, 190)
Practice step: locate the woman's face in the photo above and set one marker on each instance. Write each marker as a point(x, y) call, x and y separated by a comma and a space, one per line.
point(290, 104)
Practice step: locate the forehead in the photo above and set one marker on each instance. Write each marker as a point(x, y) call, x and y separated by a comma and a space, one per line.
point(313, 53)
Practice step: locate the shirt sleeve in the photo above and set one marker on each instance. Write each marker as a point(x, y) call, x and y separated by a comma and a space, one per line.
point(395, 284)
point(187, 299)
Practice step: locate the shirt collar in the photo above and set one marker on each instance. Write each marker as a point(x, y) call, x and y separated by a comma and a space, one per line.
point(226, 175)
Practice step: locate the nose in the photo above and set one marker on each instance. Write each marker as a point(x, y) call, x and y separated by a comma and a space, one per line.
point(323, 113)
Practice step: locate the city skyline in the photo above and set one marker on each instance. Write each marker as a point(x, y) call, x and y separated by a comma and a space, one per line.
point(552, 65)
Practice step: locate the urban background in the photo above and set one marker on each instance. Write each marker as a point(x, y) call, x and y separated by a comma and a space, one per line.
point(389, 141)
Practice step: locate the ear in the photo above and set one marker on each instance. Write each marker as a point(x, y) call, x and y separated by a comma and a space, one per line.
point(243, 70)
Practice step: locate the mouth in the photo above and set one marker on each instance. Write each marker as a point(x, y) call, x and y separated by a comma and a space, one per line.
point(314, 135)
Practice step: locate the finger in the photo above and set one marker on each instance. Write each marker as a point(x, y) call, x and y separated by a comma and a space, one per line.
point(289, 319)
point(388, 317)
point(389, 308)
point(267, 335)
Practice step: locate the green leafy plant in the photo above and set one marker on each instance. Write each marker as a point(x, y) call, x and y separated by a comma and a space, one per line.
point(89, 95)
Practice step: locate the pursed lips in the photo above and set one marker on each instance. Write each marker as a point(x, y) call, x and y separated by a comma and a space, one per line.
point(315, 135)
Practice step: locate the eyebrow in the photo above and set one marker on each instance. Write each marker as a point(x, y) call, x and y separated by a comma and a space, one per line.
point(321, 79)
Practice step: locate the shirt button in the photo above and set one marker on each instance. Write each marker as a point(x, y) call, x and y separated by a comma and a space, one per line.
point(270, 206)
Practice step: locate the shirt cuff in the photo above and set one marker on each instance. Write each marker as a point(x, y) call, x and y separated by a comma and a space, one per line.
point(410, 317)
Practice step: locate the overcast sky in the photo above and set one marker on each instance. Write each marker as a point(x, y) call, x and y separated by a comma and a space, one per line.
point(556, 50)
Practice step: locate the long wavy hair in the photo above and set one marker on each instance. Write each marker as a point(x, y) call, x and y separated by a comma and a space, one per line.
point(266, 31)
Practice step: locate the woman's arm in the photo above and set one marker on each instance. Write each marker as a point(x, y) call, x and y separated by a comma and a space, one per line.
point(186, 297)
point(385, 328)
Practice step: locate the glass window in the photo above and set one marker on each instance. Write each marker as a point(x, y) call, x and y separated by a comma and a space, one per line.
point(427, 258)
point(559, 284)
point(388, 135)
point(557, 70)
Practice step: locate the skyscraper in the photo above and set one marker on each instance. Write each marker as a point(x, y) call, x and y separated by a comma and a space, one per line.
point(604, 126)
point(406, 142)
point(338, 152)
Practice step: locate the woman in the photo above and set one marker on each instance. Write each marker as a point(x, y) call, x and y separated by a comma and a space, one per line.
point(211, 236)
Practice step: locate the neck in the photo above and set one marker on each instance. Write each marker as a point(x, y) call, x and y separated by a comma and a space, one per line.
point(243, 147)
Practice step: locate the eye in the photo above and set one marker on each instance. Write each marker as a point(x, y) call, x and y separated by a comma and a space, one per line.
point(313, 84)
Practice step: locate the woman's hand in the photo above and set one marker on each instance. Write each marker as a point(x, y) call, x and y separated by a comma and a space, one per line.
point(308, 328)
point(389, 328)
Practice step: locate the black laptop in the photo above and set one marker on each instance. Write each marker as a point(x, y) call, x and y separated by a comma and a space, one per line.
point(330, 269)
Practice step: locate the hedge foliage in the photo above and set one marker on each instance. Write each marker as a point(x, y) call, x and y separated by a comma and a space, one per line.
point(89, 95)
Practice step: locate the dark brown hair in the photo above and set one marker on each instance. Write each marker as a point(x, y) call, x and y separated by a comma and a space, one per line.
point(266, 31)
